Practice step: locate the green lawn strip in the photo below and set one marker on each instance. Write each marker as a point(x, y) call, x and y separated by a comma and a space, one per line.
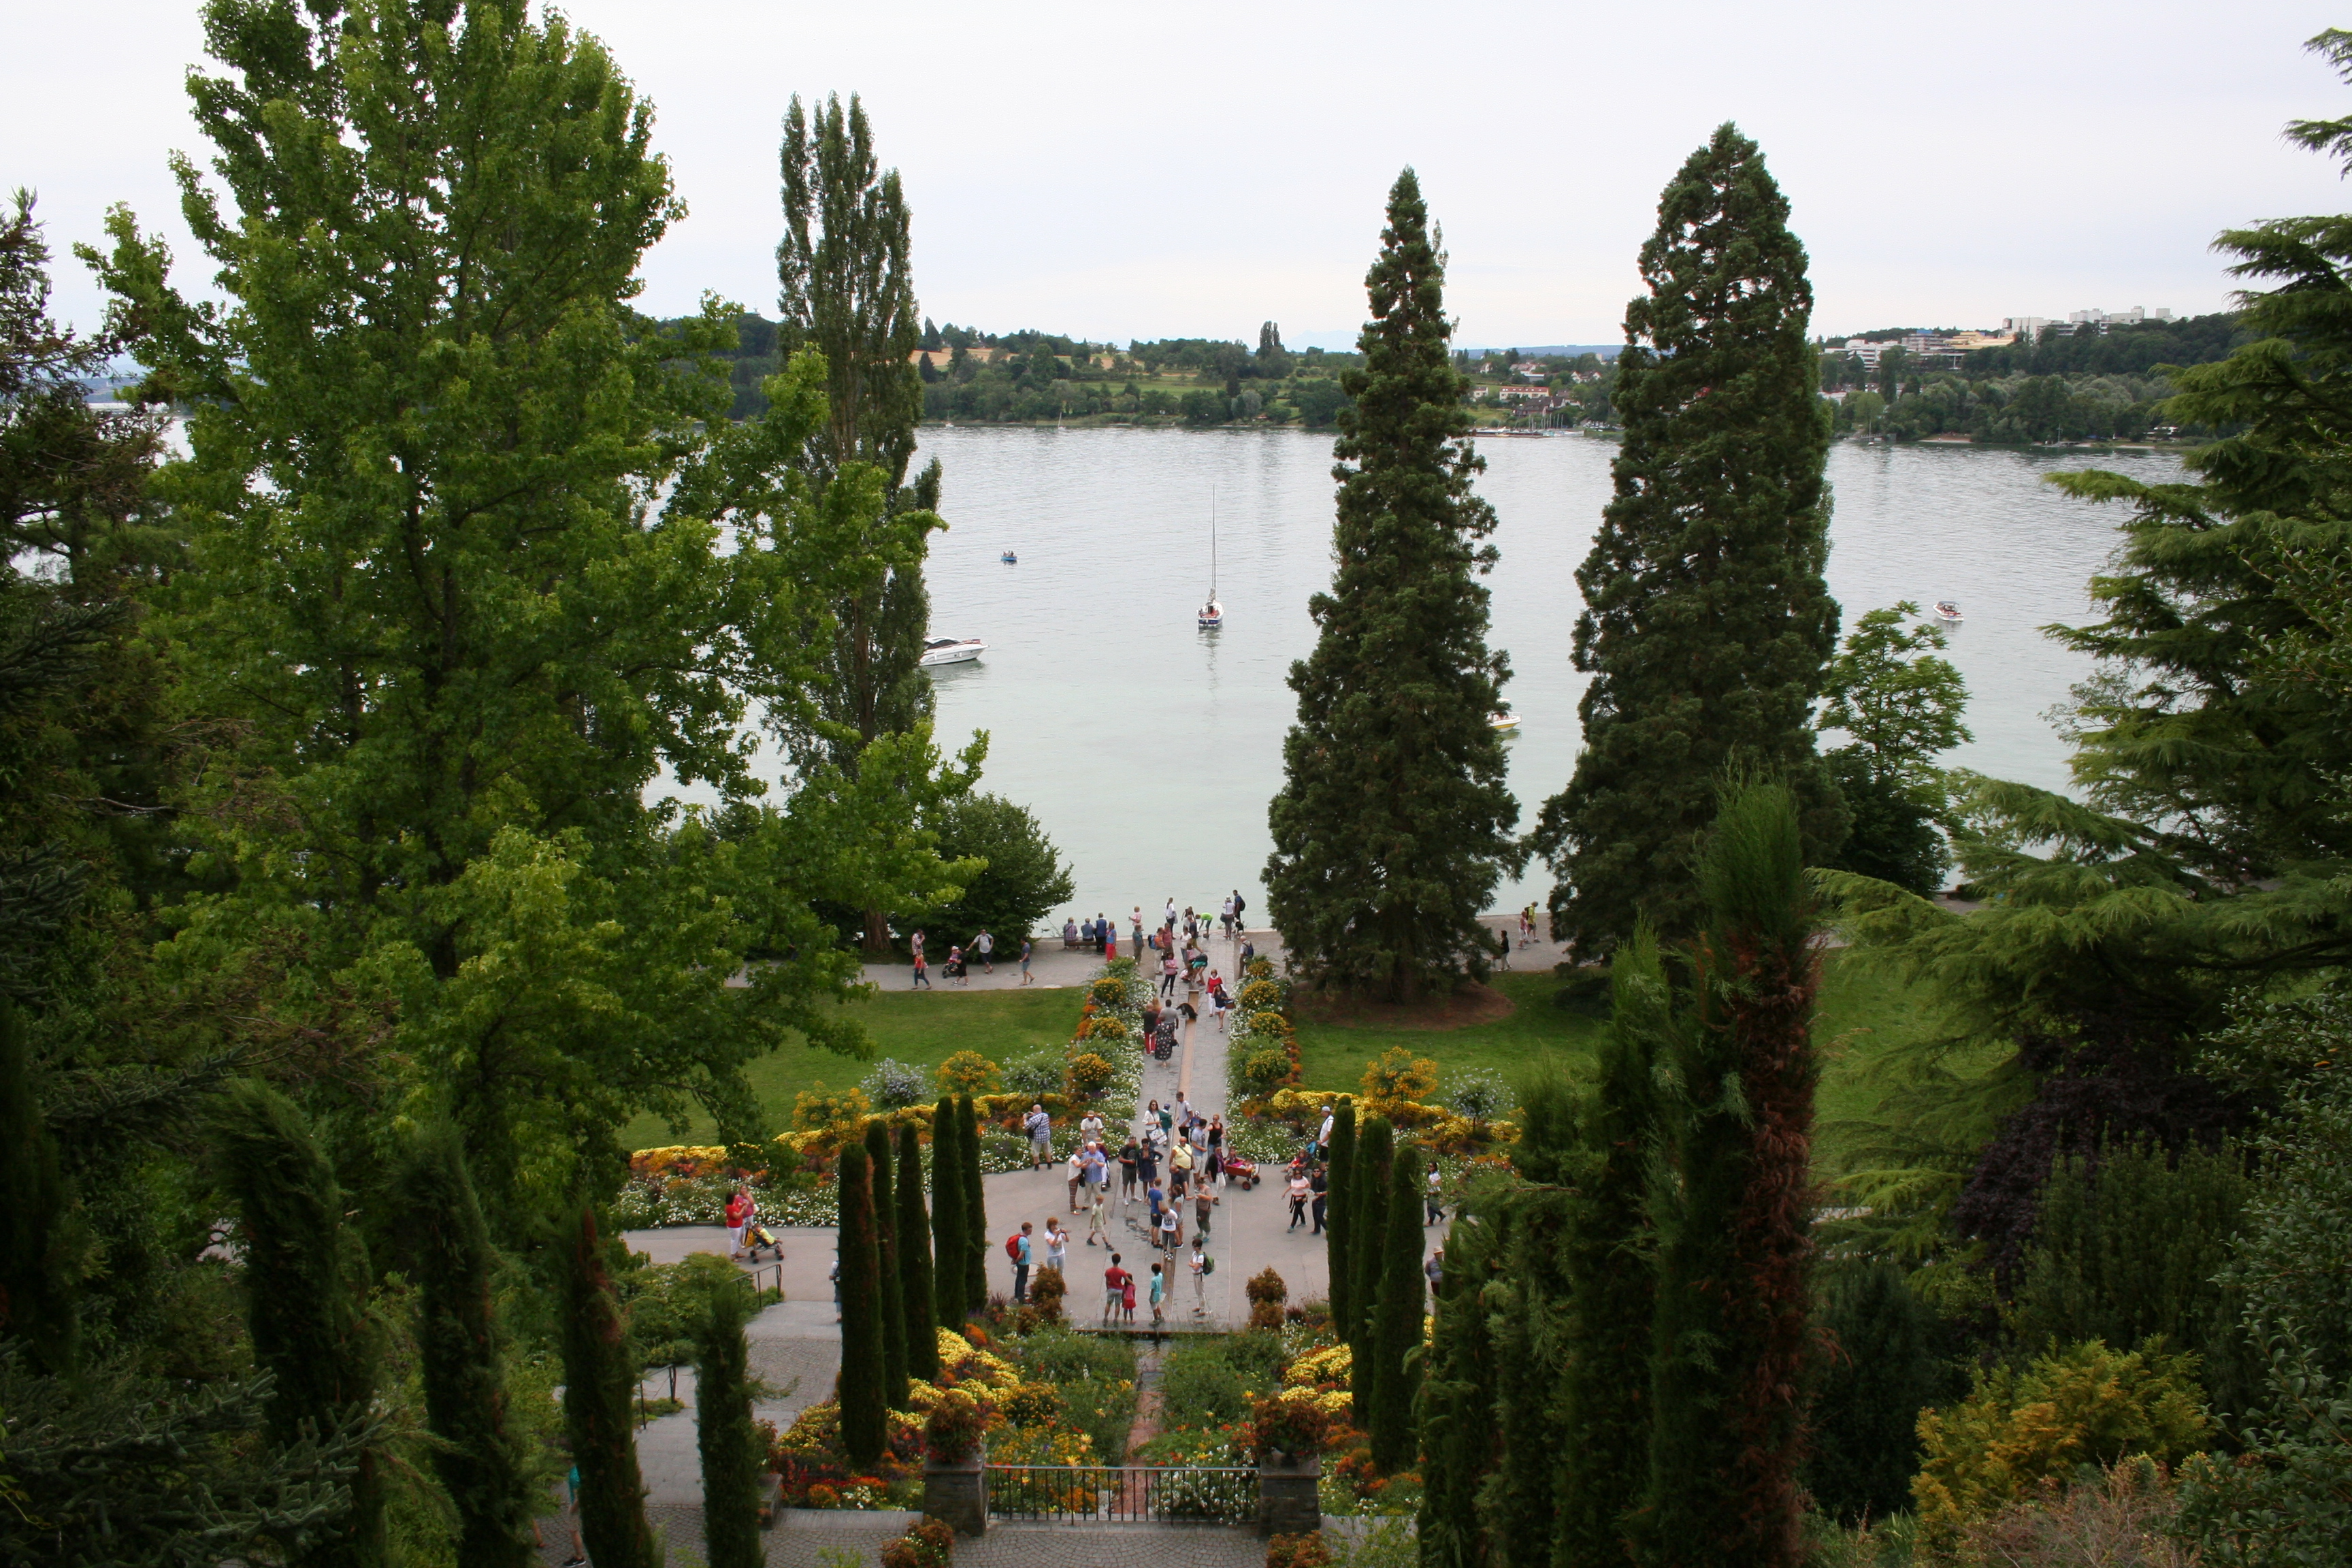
point(923, 1027)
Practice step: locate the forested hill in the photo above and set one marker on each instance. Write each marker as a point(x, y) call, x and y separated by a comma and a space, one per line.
point(2132, 349)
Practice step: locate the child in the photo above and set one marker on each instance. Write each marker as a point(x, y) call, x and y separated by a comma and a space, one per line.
point(1158, 1296)
point(1127, 1299)
point(1170, 1229)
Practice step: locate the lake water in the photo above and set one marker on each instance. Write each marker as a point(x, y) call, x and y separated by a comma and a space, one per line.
point(1149, 748)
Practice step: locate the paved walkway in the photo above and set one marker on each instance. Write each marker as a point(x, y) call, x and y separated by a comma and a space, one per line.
point(1052, 964)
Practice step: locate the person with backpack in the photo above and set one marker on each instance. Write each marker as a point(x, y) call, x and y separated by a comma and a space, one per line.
point(1016, 1248)
point(1040, 1128)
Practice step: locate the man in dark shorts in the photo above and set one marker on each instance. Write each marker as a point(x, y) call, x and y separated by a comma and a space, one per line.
point(1129, 1158)
point(1115, 1279)
point(1320, 1184)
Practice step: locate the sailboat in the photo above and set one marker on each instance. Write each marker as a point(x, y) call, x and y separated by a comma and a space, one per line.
point(1213, 614)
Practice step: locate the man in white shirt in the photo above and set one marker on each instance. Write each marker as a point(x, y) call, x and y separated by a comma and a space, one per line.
point(1323, 1139)
point(985, 945)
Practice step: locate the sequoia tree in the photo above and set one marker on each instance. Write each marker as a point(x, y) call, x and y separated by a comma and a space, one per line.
point(865, 1416)
point(1393, 824)
point(1707, 621)
point(918, 1313)
point(885, 1236)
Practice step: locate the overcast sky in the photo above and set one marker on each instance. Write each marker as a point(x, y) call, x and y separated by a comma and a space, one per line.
point(1118, 170)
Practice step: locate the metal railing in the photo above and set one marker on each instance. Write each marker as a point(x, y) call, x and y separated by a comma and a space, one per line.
point(1123, 1494)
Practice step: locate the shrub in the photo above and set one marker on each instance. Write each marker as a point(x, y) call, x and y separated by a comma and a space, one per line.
point(1265, 1070)
point(1399, 1074)
point(1034, 1075)
point(1272, 1025)
point(1261, 995)
point(930, 1544)
point(967, 1072)
point(1292, 1424)
point(1258, 1360)
point(1046, 1293)
point(1103, 1026)
point(1304, 1550)
point(2082, 1404)
point(1089, 1075)
point(2123, 1519)
point(953, 1428)
point(821, 1109)
point(892, 1084)
point(1032, 1405)
point(1266, 1284)
point(1205, 1387)
point(1107, 992)
point(1259, 969)
point(1479, 1096)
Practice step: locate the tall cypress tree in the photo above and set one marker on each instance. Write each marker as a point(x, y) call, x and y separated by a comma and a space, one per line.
point(886, 1241)
point(480, 1455)
point(600, 1373)
point(1610, 1257)
point(946, 1214)
point(1368, 1202)
point(38, 1228)
point(1394, 822)
point(1457, 1406)
point(975, 1208)
point(918, 1311)
point(1337, 1229)
point(1731, 1335)
point(1707, 622)
point(863, 1403)
point(733, 1457)
point(1396, 1330)
point(306, 1278)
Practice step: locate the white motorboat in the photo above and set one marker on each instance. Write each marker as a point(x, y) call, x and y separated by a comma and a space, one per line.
point(953, 650)
point(1213, 614)
point(1503, 719)
point(1947, 610)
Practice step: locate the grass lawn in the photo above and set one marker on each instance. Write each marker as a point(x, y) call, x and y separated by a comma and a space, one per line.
point(923, 1028)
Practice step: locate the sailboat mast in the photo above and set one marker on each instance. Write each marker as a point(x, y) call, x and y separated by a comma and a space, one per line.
point(1212, 547)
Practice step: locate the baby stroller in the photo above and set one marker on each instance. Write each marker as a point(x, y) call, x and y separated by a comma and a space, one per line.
point(756, 1235)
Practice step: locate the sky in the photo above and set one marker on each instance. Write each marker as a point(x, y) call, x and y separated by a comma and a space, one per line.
point(1114, 170)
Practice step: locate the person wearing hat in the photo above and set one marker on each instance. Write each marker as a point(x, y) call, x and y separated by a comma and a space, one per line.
point(1323, 1138)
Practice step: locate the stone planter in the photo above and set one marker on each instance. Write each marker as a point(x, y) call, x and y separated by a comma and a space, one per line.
point(1289, 1494)
point(956, 1490)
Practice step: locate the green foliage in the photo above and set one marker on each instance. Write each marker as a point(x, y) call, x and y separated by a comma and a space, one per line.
point(600, 1378)
point(892, 1302)
point(1199, 1381)
point(1879, 1369)
point(733, 1456)
point(975, 1207)
point(1396, 1330)
point(2130, 1249)
point(1096, 1376)
point(968, 1072)
point(1399, 1075)
point(40, 1229)
point(481, 1454)
point(864, 1393)
point(1340, 1219)
point(1890, 689)
point(1025, 876)
point(1732, 1204)
point(1455, 1413)
point(1893, 834)
point(948, 1210)
point(1707, 623)
point(1367, 1219)
point(919, 1310)
point(1394, 822)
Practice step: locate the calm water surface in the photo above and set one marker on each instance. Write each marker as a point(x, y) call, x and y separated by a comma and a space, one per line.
point(1149, 748)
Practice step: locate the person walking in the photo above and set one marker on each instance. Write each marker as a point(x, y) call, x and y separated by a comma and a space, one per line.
point(1075, 1169)
point(955, 965)
point(1298, 1192)
point(984, 944)
point(1502, 948)
point(1240, 904)
point(1115, 1283)
point(1433, 1199)
point(922, 978)
point(1180, 1167)
point(1159, 1296)
point(739, 1214)
point(1094, 1227)
point(1217, 1150)
point(1225, 916)
point(1154, 1200)
point(1204, 1199)
point(915, 946)
point(1323, 1136)
point(1320, 1184)
point(1147, 1169)
point(1128, 1155)
point(1200, 1280)
point(1040, 1128)
point(1027, 949)
point(1435, 1269)
point(1020, 1251)
point(1168, 969)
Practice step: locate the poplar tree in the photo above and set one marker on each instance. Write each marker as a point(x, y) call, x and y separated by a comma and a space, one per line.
point(1367, 1251)
point(946, 1214)
point(975, 1207)
point(600, 1374)
point(865, 1421)
point(1731, 1333)
point(919, 1310)
point(481, 1453)
point(1337, 1221)
point(1396, 1329)
point(1609, 1255)
point(1393, 822)
point(305, 1287)
point(39, 1230)
point(733, 1458)
point(885, 1238)
point(1707, 622)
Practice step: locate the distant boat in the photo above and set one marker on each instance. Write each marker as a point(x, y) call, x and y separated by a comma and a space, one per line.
point(1503, 719)
point(1946, 609)
point(953, 650)
point(1213, 614)
point(1009, 559)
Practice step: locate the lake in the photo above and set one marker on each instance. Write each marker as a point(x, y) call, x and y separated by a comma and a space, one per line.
point(1149, 748)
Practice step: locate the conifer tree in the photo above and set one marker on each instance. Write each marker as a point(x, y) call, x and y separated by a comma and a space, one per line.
point(1367, 1251)
point(864, 1405)
point(1337, 1231)
point(948, 1210)
point(481, 1453)
point(1706, 624)
point(1610, 1257)
point(886, 1243)
point(917, 1310)
point(1394, 822)
point(733, 1458)
point(1731, 1335)
point(38, 1233)
point(1396, 1330)
point(975, 1208)
point(600, 1374)
point(306, 1279)
point(1457, 1402)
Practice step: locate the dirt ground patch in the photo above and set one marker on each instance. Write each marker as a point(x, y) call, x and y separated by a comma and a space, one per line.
point(1470, 1005)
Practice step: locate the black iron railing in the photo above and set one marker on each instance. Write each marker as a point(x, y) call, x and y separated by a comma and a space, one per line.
point(1130, 1494)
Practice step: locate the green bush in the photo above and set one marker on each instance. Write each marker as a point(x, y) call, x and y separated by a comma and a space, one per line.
point(1199, 1387)
point(1258, 1360)
point(1095, 1378)
point(1868, 1393)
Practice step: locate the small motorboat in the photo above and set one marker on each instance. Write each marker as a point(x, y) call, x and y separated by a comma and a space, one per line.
point(1947, 610)
point(1009, 559)
point(953, 650)
point(1503, 719)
